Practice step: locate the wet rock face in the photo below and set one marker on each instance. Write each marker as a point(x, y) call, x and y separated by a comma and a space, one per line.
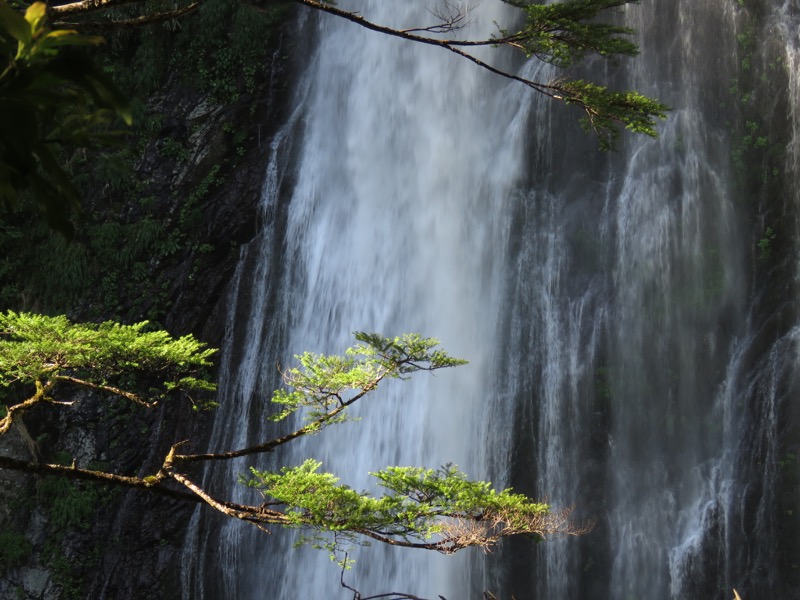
point(121, 544)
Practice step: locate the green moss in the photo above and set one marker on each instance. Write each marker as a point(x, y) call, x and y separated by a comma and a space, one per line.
point(68, 574)
point(220, 51)
point(68, 504)
point(765, 244)
point(14, 550)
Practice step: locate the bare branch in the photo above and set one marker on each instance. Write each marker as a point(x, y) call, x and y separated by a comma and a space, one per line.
point(83, 7)
point(255, 515)
point(451, 17)
point(17, 409)
point(72, 472)
point(407, 34)
point(272, 444)
point(312, 427)
point(390, 595)
point(152, 484)
point(135, 22)
point(107, 388)
point(553, 90)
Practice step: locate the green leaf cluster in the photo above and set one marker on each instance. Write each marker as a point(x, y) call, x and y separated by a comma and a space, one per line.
point(14, 550)
point(436, 509)
point(69, 504)
point(51, 95)
point(222, 50)
point(447, 492)
point(405, 354)
point(606, 109)
point(321, 383)
point(421, 504)
point(563, 33)
point(37, 348)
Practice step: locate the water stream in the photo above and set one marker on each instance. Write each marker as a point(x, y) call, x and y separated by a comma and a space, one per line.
point(617, 310)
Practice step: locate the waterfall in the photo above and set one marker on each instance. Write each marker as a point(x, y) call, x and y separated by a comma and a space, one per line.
point(630, 319)
point(396, 202)
point(652, 390)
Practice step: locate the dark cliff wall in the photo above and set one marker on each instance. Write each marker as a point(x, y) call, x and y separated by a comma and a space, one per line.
point(159, 240)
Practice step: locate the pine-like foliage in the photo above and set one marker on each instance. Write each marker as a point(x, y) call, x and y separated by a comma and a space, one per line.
point(564, 34)
point(39, 355)
point(321, 382)
point(433, 509)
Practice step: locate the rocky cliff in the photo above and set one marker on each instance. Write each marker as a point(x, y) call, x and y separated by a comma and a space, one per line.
point(195, 180)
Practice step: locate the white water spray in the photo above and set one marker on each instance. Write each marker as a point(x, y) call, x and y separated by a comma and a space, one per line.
point(408, 158)
point(605, 312)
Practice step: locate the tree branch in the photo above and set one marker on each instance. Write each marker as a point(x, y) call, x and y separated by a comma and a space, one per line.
point(135, 22)
point(15, 409)
point(149, 484)
point(153, 484)
point(107, 388)
point(255, 515)
point(438, 510)
point(552, 89)
point(312, 427)
point(390, 595)
point(450, 17)
point(560, 37)
point(83, 7)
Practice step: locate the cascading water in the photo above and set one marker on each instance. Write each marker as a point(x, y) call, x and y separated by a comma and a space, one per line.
point(648, 408)
point(624, 355)
point(391, 226)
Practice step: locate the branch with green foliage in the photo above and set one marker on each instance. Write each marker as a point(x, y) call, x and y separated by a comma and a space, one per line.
point(47, 359)
point(324, 386)
point(563, 34)
point(53, 97)
point(431, 509)
point(50, 356)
